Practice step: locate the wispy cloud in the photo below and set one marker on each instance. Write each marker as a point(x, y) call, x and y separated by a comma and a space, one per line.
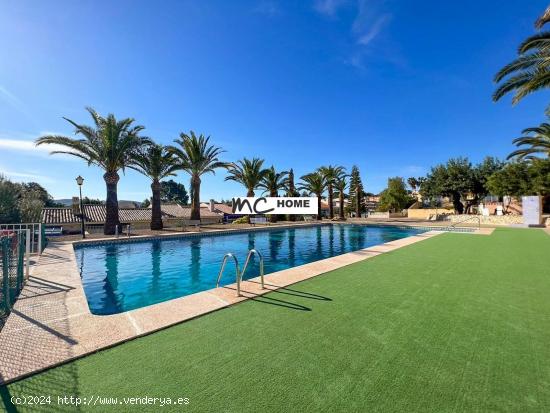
point(368, 25)
point(26, 176)
point(13, 101)
point(370, 34)
point(25, 145)
point(268, 8)
point(328, 7)
point(369, 21)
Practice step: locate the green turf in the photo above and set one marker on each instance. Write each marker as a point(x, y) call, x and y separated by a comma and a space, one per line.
point(455, 323)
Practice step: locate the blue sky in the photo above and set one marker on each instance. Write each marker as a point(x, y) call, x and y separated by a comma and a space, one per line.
point(393, 86)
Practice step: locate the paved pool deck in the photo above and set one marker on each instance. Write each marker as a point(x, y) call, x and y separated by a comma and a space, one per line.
point(51, 323)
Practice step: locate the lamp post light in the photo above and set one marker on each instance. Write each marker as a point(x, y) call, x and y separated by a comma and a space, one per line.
point(80, 181)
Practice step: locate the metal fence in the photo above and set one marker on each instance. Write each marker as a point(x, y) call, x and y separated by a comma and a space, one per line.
point(38, 240)
point(14, 268)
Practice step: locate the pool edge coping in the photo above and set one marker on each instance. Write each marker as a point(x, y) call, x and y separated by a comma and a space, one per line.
point(89, 333)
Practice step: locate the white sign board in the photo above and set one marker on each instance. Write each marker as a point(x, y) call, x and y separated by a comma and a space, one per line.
point(532, 210)
point(272, 205)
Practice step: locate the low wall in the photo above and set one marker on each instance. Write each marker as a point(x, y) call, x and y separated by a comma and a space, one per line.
point(379, 215)
point(426, 213)
point(95, 227)
point(487, 220)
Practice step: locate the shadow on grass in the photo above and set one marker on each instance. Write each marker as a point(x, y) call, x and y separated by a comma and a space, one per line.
point(269, 300)
point(280, 303)
point(296, 293)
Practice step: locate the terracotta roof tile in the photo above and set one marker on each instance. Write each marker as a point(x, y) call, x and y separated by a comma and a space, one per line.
point(96, 214)
point(220, 208)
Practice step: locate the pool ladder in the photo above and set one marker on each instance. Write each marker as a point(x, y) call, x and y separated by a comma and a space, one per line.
point(239, 275)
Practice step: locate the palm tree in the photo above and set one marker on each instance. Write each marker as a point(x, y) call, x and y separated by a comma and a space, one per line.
point(536, 140)
point(413, 183)
point(314, 183)
point(273, 182)
point(530, 72)
point(331, 174)
point(341, 185)
point(110, 144)
point(157, 163)
point(247, 172)
point(196, 157)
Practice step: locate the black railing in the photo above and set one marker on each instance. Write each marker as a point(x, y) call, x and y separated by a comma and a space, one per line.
point(12, 271)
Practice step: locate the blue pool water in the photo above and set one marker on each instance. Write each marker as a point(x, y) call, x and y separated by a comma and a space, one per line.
point(122, 276)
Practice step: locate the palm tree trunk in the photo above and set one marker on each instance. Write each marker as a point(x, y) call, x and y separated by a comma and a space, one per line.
point(341, 209)
point(319, 217)
point(156, 213)
point(111, 207)
point(273, 217)
point(330, 198)
point(249, 194)
point(196, 198)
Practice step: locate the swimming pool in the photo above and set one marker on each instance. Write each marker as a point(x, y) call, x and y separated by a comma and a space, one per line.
point(122, 276)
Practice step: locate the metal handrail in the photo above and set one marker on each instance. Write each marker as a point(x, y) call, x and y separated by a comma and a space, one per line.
point(238, 276)
point(250, 253)
point(467, 219)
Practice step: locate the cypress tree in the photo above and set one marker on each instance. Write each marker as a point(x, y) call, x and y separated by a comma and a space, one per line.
point(356, 191)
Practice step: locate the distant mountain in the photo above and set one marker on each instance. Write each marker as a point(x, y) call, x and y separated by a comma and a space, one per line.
point(129, 204)
point(65, 201)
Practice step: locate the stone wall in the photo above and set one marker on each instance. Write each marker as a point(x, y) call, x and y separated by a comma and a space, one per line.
point(487, 220)
point(426, 213)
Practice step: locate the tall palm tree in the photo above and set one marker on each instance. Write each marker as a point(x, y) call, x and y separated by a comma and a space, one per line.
point(157, 163)
point(196, 157)
point(536, 141)
point(314, 183)
point(272, 183)
point(331, 174)
point(530, 72)
point(248, 172)
point(341, 184)
point(110, 144)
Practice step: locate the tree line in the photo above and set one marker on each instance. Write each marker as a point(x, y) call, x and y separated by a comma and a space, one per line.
point(115, 145)
point(22, 202)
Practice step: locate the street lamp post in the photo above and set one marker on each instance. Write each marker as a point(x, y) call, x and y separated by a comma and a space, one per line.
point(80, 181)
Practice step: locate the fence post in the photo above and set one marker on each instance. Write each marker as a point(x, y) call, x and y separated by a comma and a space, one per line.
point(39, 238)
point(4, 244)
point(27, 252)
point(20, 257)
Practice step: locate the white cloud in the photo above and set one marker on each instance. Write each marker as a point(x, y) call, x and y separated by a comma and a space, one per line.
point(328, 7)
point(27, 146)
point(13, 101)
point(369, 35)
point(369, 23)
point(25, 176)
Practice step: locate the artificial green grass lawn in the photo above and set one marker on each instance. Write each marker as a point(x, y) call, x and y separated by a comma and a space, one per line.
point(458, 322)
